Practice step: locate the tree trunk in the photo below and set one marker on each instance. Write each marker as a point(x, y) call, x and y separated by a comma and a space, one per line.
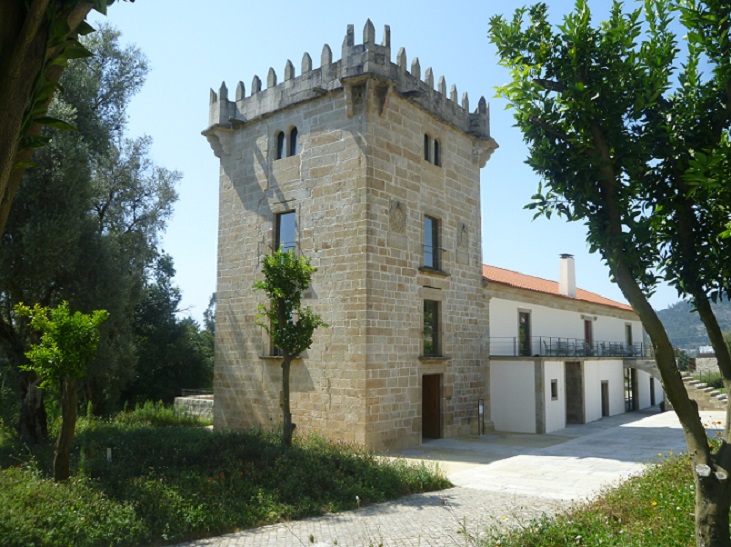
point(33, 425)
point(712, 491)
point(288, 426)
point(62, 448)
point(712, 505)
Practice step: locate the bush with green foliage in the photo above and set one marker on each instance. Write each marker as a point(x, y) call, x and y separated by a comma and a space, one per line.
point(171, 480)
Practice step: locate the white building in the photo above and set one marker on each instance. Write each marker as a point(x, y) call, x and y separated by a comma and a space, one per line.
point(561, 355)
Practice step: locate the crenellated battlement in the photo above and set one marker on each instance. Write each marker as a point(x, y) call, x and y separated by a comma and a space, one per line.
point(358, 64)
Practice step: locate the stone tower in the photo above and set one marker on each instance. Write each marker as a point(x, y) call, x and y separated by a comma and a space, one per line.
point(372, 173)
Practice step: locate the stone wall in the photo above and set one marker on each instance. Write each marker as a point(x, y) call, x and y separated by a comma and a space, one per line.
point(198, 406)
point(706, 365)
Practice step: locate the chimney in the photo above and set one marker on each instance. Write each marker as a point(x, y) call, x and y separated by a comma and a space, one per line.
point(567, 277)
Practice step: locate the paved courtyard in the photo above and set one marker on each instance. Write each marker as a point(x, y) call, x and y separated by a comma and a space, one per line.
point(500, 480)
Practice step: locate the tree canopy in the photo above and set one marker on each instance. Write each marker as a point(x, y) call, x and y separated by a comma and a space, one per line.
point(85, 224)
point(630, 134)
point(37, 40)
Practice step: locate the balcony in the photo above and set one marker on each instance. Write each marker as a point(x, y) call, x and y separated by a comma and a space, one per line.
point(551, 346)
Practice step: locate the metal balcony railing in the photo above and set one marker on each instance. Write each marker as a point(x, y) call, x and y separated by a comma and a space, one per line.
point(552, 346)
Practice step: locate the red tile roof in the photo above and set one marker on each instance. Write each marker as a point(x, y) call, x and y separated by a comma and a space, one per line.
point(493, 274)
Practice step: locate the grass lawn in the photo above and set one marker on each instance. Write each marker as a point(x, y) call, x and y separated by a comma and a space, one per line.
point(170, 480)
point(646, 511)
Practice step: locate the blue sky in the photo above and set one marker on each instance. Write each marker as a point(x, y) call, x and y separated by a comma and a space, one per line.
point(194, 46)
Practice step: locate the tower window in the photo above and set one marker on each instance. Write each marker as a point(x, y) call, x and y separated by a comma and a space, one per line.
point(285, 238)
point(432, 150)
point(431, 242)
point(431, 328)
point(280, 145)
point(293, 144)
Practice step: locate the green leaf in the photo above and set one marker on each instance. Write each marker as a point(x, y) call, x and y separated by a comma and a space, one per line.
point(84, 28)
point(55, 123)
point(76, 51)
point(24, 165)
point(34, 142)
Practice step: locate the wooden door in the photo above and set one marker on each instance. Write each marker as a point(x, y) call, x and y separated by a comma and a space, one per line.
point(573, 375)
point(431, 412)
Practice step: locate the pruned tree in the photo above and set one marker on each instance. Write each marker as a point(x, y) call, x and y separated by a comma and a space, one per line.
point(68, 343)
point(290, 325)
point(632, 138)
point(37, 39)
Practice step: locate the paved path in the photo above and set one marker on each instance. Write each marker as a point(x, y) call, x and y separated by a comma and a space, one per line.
point(500, 480)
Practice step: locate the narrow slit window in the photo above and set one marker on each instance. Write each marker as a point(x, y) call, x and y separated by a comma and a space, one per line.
point(280, 146)
point(431, 242)
point(427, 142)
point(437, 153)
point(293, 144)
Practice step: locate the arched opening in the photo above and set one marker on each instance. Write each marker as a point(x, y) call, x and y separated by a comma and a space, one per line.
point(280, 145)
point(293, 145)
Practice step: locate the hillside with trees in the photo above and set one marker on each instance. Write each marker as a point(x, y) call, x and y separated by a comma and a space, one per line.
point(684, 326)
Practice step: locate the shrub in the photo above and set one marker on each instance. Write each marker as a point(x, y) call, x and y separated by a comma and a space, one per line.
point(170, 480)
point(36, 511)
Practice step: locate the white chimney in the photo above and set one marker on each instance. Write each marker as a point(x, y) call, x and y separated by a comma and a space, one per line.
point(567, 277)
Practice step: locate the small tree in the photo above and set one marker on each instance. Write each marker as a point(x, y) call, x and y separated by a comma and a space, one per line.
point(289, 325)
point(68, 343)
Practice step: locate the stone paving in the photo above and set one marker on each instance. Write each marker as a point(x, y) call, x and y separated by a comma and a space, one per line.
point(500, 480)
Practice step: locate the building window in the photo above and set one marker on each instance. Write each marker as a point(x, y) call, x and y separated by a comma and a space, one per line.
point(588, 337)
point(432, 150)
point(285, 238)
point(275, 351)
point(431, 328)
point(280, 145)
point(554, 390)
point(293, 143)
point(431, 242)
point(524, 334)
point(630, 349)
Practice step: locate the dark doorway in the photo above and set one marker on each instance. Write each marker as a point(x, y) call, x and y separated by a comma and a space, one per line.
point(574, 393)
point(431, 411)
point(652, 392)
point(524, 334)
point(631, 392)
point(588, 337)
point(605, 398)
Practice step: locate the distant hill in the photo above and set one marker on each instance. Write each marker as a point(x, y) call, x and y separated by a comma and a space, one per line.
point(684, 326)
